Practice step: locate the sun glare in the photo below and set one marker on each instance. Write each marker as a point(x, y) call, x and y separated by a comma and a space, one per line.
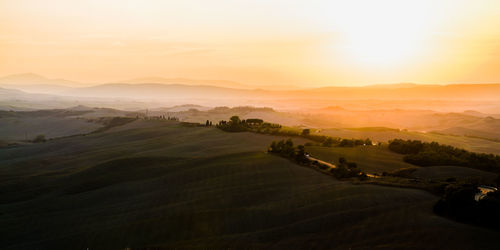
point(256, 42)
point(381, 48)
point(380, 34)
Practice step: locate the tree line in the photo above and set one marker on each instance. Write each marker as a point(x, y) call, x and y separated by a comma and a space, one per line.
point(433, 154)
point(235, 124)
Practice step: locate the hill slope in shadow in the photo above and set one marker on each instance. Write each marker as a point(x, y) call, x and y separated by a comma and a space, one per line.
point(158, 184)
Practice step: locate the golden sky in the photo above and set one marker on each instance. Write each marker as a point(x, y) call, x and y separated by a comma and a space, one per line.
point(302, 43)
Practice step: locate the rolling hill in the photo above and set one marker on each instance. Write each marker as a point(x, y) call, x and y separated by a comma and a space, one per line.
point(417, 93)
point(159, 184)
point(371, 159)
point(155, 91)
point(22, 126)
point(474, 144)
point(185, 81)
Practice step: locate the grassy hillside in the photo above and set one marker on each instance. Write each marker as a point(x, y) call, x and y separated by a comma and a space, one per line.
point(379, 159)
point(472, 132)
point(385, 134)
point(443, 172)
point(152, 183)
point(26, 125)
point(371, 159)
point(14, 128)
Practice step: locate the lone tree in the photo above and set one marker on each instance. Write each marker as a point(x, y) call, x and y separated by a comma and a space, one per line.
point(306, 131)
point(207, 123)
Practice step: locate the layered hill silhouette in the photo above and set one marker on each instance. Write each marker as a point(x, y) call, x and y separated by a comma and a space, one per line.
point(173, 87)
point(438, 92)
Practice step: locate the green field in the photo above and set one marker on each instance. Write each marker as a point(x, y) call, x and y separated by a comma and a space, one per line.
point(379, 159)
point(385, 134)
point(370, 159)
point(439, 173)
point(151, 183)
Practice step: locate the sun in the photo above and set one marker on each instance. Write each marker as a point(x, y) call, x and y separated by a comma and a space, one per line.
point(381, 46)
point(384, 32)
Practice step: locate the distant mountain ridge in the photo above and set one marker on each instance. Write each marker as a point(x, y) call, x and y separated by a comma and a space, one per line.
point(456, 97)
point(185, 81)
point(30, 80)
point(35, 79)
point(418, 92)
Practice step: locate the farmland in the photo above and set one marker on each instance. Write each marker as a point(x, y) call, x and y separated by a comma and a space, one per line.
point(372, 159)
point(473, 144)
point(192, 187)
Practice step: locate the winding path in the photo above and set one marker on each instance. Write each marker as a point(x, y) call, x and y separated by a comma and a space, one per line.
point(333, 166)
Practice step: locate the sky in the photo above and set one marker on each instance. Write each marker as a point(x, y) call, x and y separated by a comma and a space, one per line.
point(291, 43)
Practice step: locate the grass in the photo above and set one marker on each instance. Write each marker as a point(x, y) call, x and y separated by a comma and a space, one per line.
point(439, 173)
point(157, 184)
point(370, 159)
point(385, 134)
point(379, 159)
point(26, 128)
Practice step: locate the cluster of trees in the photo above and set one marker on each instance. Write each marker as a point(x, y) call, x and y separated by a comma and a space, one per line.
point(253, 122)
point(159, 117)
point(328, 141)
point(286, 149)
point(433, 154)
point(235, 124)
point(344, 169)
point(344, 163)
point(355, 142)
point(171, 118)
point(459, 203)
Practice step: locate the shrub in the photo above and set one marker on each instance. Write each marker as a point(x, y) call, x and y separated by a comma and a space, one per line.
point(306, 132)
point(352, 165)
point(39, 138)
point(342, 160)
point(328, 142)
point(353, 142)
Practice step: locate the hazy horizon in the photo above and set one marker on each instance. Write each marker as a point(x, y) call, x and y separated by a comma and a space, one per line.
point(257, 43)
point(25, 76)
